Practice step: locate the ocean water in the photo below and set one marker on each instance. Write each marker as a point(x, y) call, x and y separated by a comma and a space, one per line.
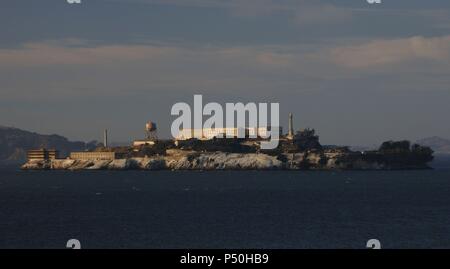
point(224, 209)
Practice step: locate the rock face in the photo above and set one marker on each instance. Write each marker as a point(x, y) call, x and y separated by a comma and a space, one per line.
point(331, 161)
point(189, 160)
point(224, 161)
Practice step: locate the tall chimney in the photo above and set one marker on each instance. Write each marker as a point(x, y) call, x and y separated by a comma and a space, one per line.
point(105, 138)
point(291, 127)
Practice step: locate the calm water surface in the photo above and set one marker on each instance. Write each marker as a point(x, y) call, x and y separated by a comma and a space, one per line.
point(224, 209)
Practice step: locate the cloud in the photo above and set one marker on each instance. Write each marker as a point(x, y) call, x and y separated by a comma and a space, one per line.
point(322, 14)
point(74, 68)
point(71, 62)
point(64, 53)
point(319, 12)
point(78, 52)
point(41, 79)
point(300, 11)
point(392, 52)
point(316, 61)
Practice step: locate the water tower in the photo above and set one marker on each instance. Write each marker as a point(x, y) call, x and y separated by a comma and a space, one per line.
point(150, 130)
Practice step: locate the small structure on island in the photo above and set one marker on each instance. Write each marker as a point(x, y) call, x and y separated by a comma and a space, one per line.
point(105, 138)
point(291, 134)
point(42, 154)
point(151, 131)
point(224, 132)
point(93, 155)
point(150, 135)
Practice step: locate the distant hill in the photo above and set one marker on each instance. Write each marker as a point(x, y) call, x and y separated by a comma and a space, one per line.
point(438, 144)
point(14, 144)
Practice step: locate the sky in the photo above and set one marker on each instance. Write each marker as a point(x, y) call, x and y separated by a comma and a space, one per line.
point(358, 73)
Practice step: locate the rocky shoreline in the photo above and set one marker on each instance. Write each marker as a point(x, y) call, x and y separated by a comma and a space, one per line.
point(191, 160)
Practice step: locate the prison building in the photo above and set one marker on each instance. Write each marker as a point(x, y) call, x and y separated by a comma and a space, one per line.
point(210, 133)
point(93, 155)
point(42, 154)
point(138, 143)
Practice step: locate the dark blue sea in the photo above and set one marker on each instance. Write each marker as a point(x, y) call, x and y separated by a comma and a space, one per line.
point(224, 209)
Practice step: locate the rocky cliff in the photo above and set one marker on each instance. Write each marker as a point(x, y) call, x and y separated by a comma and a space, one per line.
point(191, 160)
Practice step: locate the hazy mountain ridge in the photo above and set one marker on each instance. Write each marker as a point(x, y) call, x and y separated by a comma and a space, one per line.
point(438, 144)
point(15, 142)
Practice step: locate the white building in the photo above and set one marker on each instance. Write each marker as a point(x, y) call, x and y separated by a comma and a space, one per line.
point(210, 133)
point(138, 143)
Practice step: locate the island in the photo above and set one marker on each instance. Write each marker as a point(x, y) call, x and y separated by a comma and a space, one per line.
point(299, 151)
